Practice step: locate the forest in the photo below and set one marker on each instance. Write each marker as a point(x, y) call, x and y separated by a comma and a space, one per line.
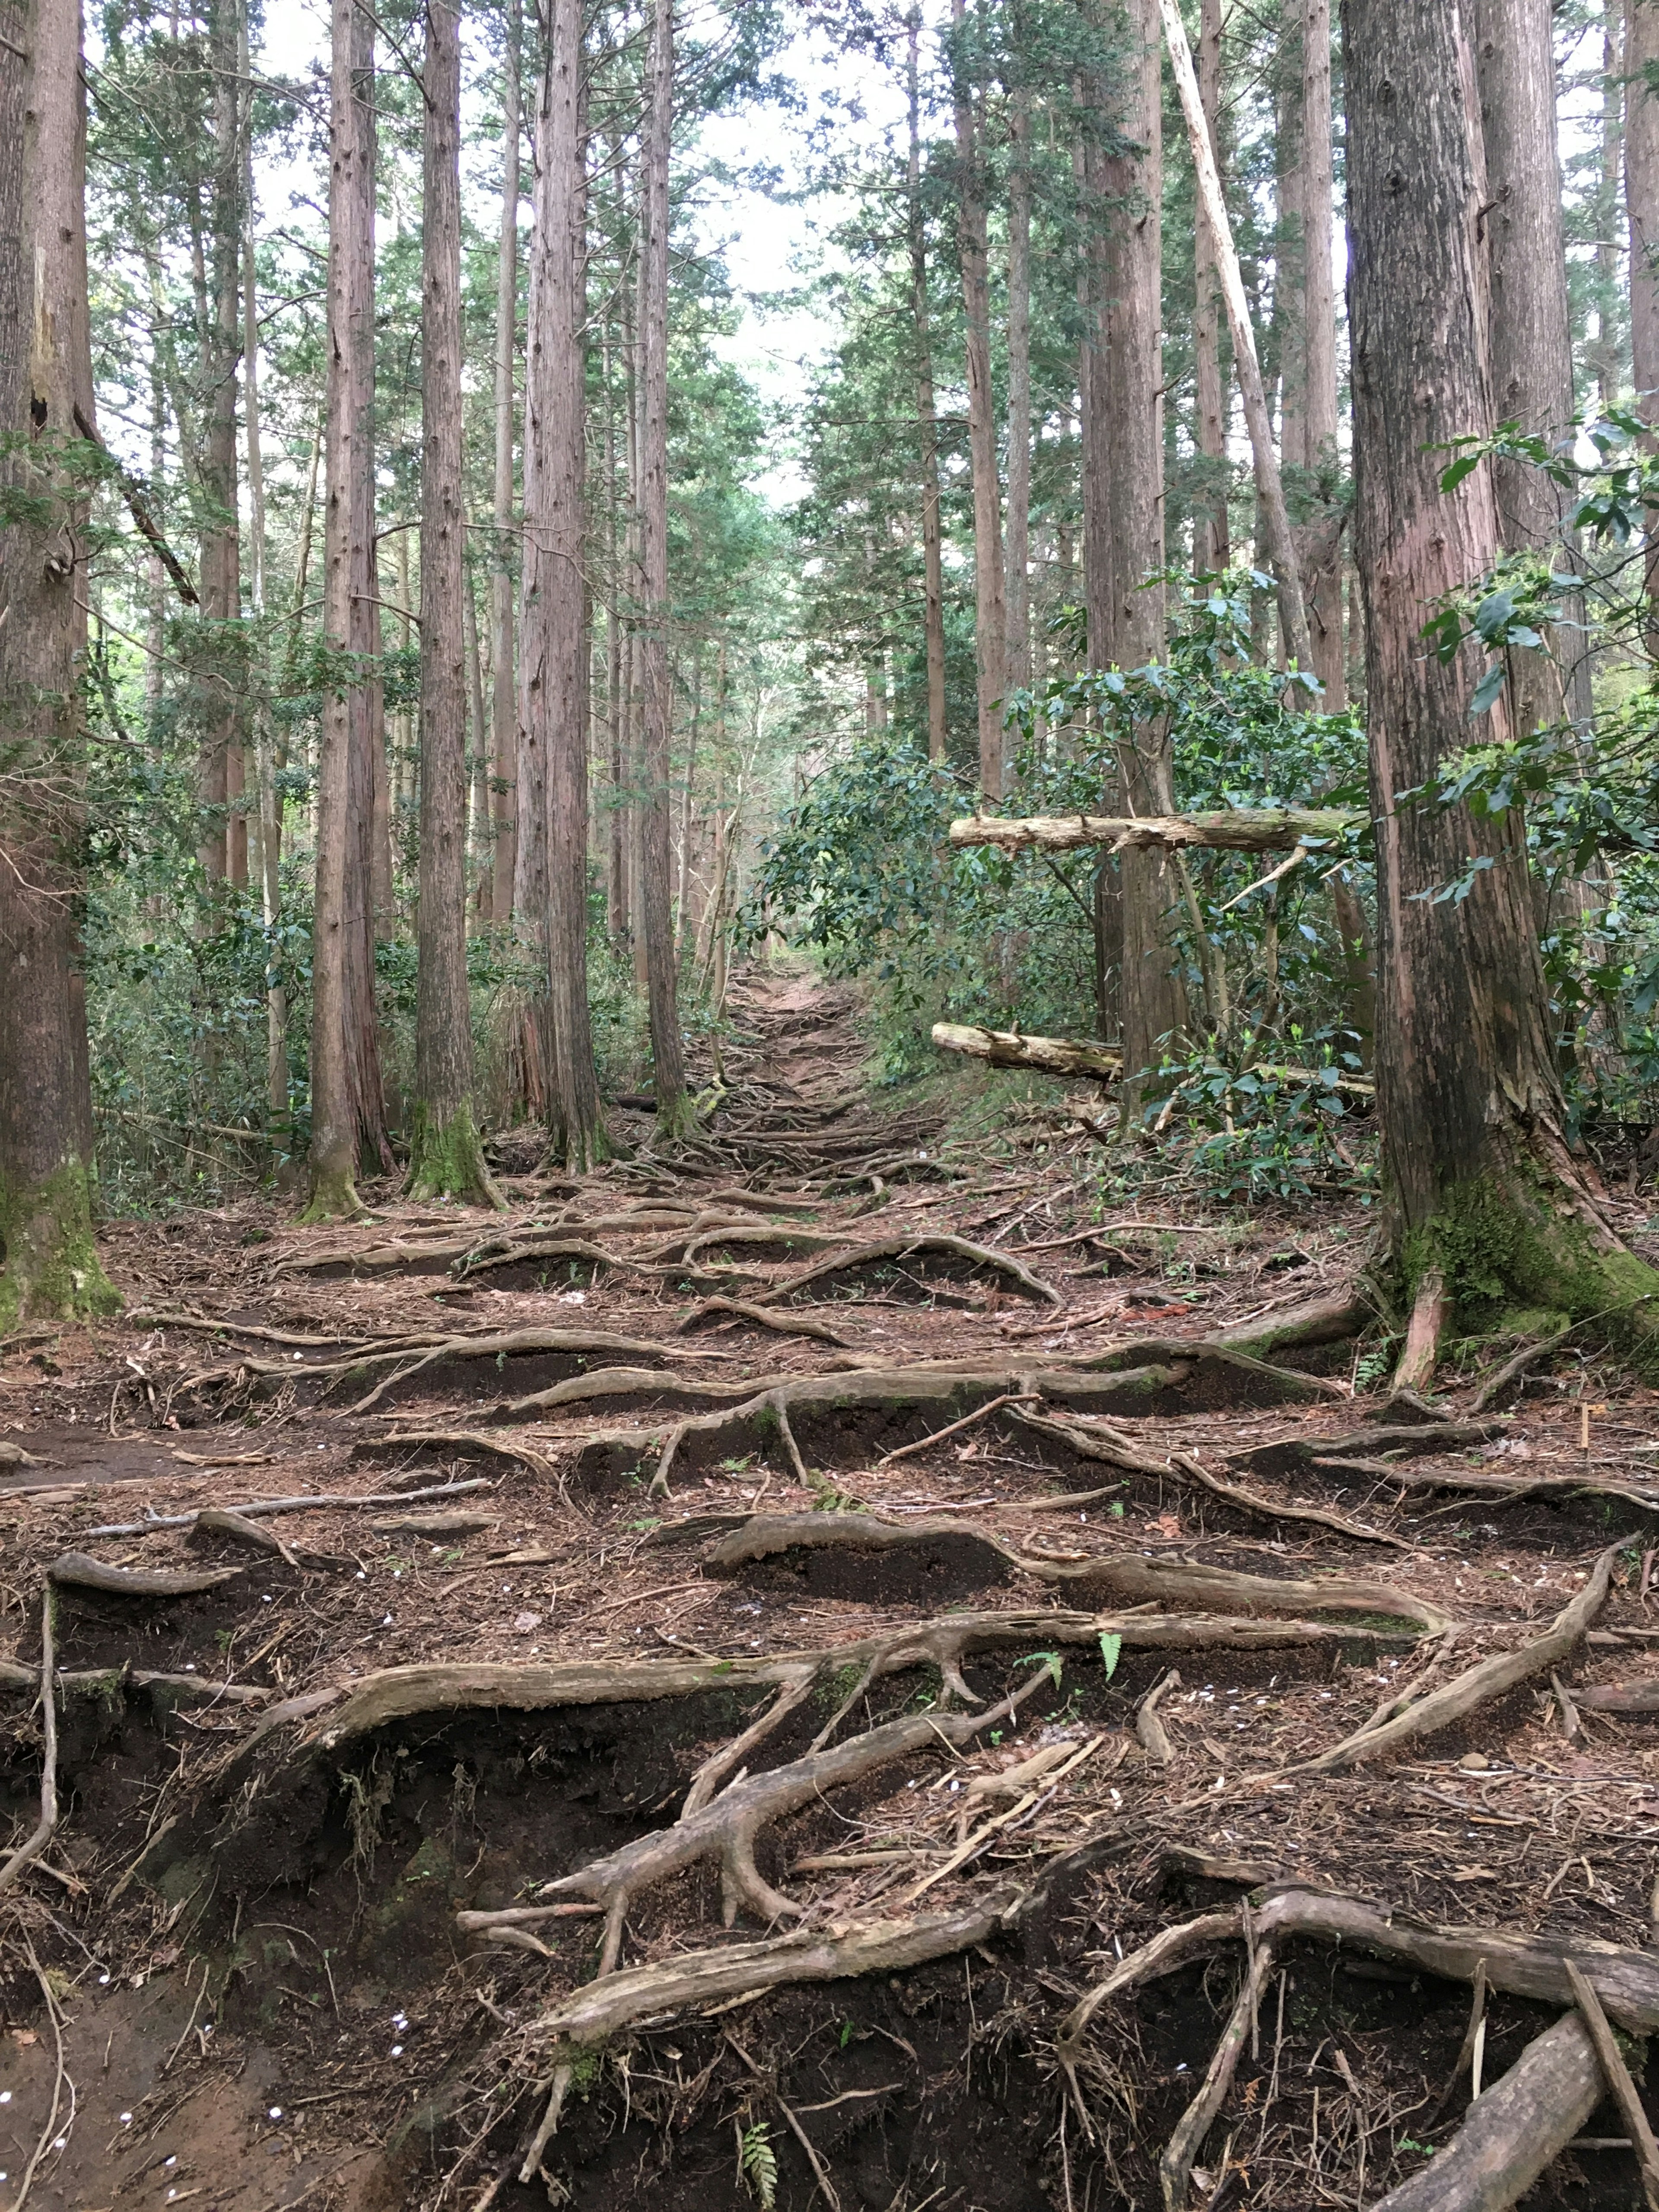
point(829, 1005)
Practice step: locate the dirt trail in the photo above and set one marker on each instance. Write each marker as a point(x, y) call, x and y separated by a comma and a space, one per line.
point(877, 1588)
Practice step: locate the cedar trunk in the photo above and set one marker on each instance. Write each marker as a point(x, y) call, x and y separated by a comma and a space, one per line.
point(48, 1262)
point(990, 609)
point(554, 645)
point(446, 1157)
point(657, 700)
point(1482, 1188)
point(1642, 210)
point(1131, 369)
point(933, 558)
point(345, 1091)
point(1527, 269)
point(504, 700)
point(223, 848)
point(1019, 548)
point(1321, 553)
point(1212, 549)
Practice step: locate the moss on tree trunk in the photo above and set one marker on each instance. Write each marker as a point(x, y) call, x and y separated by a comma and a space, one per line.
point(446, 1160)
point(49, 1263)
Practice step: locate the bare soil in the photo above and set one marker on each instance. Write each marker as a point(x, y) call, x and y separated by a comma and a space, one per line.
point(235, 1977)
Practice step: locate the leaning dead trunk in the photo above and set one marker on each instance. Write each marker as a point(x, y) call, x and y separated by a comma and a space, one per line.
point(48, 1261)
point(667, 1052)
point(1484, 1190)
point(446, 1157)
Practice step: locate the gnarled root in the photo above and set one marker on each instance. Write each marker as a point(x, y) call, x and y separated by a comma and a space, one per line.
point(911, 1248)
point(1175, 2170)
point(1512, 2132)
point(728, 1827)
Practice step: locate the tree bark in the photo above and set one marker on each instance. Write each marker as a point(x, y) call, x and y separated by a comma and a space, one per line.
point(1212, 548)
point(1018, 550)
point(446, 1156)
point(990, 608)
point(661, 981)
point(1481, 1184)
point(345, 1089)
point(1153, 1002)
point(933, 558)
point(1527, 269)
point(554, 645)
point(49, 1263)
point(1242, 829)
point(1642, 212)
point(223, 847)
point(1322, 555)
point(504, 699)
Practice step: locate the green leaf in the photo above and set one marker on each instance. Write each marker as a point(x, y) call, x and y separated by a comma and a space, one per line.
point(1051, 1660)
point(1486, 691)
point(1111, 1650)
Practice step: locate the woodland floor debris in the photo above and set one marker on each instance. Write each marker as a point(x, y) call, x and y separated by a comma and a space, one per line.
point(345, 1820)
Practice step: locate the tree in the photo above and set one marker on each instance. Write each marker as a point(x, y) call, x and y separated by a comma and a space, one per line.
point(1642, 211)
point(990, 617)
point(1486, 1198)
point(1531, 348)
point(446, 1156)
point(48, 1261)
point(926, 422)
point(667, 1052)
point(504, 698)
point(345, 1086)
point(554, 643)
point(1210, 550)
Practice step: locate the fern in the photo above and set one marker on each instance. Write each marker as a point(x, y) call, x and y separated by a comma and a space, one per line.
point(760, 2164)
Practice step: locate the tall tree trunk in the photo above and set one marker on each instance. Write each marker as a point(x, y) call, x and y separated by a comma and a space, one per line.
point(661, 981)
point(615, 863)
point(1530, 341)
point(1211, 547)
point(554, 642)
point(49, 1263)
point(1017, 554)
point(1486, 1201)
point(446, 1156)
point(932, 559)
point(1321, 548)
point(1095, 444)
point(1606, 360)
point(268, 796)
point(223, 848)
point(1153, 1000)
point(1641, 214)
point(346, 1105)
point(990, 609)
point(504, 694)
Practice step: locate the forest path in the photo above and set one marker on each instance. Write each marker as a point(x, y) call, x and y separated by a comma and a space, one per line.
point(723, 1497)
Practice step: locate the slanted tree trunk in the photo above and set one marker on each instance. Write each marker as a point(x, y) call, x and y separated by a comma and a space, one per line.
point(667, 1053)
point(1153, 1001)
point(1485, 1200)
point(49, 1263)
point(1529, 332)
point(445, 1155)
point(345, 1089)
point(554, 645)
point(933, 557)
point(504, 698)
point(1212, 548)
point(1642, 213)
point(990, 609)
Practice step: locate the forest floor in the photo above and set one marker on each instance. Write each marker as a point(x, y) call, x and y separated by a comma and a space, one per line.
point(968, 1615)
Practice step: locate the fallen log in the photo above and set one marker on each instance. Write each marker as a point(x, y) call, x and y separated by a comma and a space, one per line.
point(1236, 830)
point(77, 1570)
point(1009, 1049)
point(1521, 2125)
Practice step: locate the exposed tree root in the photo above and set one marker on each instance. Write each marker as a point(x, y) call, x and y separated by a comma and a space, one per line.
point(727, 1828)
point(1478, 1684)
point(1365, 1447)
point(217, 1521)
point(1430, 1310)
point(784, 1323)
point(314, 1502)
point(1098, 1440)
point(479, 1441)
point(36, 1841)
point(1153, 1735)
point(768, 1536)
point(513, 1251)
point(1512, 2132)
point(78, 1570)
point(1625, 1980)
point(1175, 2171)
point(1492, 1489)
point(1621, 1697)
point(509, 1343)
